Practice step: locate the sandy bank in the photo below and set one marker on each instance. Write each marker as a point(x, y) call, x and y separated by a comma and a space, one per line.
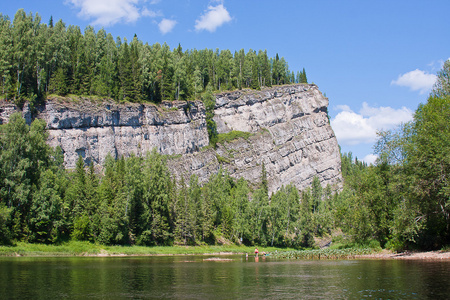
point(430, 255)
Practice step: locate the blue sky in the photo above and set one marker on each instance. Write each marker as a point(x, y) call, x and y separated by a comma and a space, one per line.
point(374, 60)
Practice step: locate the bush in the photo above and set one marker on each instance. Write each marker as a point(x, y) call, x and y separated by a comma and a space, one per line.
point(395, 245)
point(232, 135)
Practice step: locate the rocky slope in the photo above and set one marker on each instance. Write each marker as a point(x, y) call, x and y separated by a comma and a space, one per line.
point(290, 134)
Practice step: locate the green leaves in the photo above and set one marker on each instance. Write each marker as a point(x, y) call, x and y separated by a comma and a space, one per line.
point(404, 199)
point(429, 166)
point(36, 60)
point(441, 88)
point(210, 102)
point(24, 155)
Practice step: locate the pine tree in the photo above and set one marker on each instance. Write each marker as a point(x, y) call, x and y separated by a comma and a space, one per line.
point(125, 73)
point(209, 101)
point(254, 84)
point(264, 182)
point(303, 78)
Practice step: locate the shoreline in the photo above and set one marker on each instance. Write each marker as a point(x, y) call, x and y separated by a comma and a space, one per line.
point(385, 255)
point(408, 255)
point(86, 249)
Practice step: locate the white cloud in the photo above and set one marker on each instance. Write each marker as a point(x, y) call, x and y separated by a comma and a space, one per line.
point(166, 25)
point(110, 12)
point(213, 18)
point(416, 80)
point(370, 159)
point(353, 128)
point(150, 13)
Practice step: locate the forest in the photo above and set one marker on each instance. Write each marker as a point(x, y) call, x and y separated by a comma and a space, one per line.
point(401, 202)
point(38, 60)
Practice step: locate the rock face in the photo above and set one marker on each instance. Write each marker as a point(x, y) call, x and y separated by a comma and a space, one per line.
point(289, 127)
point(94, 131)
point(291, 135)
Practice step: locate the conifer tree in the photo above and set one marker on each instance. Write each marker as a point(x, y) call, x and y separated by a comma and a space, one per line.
point(209, 101)
point(255, 79)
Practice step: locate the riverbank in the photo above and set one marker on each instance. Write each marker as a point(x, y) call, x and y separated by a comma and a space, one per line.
point(428, 255)
point(361, 253)
point(74, 248)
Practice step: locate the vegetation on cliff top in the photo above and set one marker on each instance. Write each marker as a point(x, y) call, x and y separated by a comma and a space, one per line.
point(38, 59)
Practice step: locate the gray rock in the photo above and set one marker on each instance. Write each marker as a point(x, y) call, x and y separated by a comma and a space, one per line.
point(291, 136)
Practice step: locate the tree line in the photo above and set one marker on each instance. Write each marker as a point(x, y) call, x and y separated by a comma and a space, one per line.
point(38, 59)
point(403, 201)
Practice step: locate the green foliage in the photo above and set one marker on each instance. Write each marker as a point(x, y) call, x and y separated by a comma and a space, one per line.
point(78, 248)
point(301, 77)
point(284, 212)
point(45, 212)
point(222, 160)
point(442, 86)
point(324, 253)
point(264, 181)
point(37, 59)
point(210, 102)
point(403, 201)
point(157, 199)
point(23, 156)
point(428, 166)
point(5, 219)
point(232, 135)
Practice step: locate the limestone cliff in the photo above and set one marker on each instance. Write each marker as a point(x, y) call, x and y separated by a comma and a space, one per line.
point(290, 134)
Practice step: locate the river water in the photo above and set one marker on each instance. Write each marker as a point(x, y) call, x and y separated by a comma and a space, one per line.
point(193, 277)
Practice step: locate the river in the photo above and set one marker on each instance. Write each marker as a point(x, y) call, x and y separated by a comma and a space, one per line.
point(194, 277)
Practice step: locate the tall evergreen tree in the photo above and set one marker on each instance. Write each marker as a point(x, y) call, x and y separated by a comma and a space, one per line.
point(210, 102)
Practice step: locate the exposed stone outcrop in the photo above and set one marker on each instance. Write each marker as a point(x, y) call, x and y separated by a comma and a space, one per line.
point(93, 131)
point(289, 127)
point(291, 136)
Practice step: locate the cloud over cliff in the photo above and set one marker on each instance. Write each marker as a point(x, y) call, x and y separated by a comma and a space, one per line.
point(352, 128)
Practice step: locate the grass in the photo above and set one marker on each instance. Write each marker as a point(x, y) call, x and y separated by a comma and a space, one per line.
point(232, 135)
point(76, 248)
point(445, 248)
point(172, 156)
point(70, 248)
point(327, 253)
point(222, 160)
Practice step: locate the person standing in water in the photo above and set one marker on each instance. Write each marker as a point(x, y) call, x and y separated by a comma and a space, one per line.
point(256, 252)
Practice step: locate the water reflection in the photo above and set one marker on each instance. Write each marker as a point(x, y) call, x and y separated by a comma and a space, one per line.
point(193, 277)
